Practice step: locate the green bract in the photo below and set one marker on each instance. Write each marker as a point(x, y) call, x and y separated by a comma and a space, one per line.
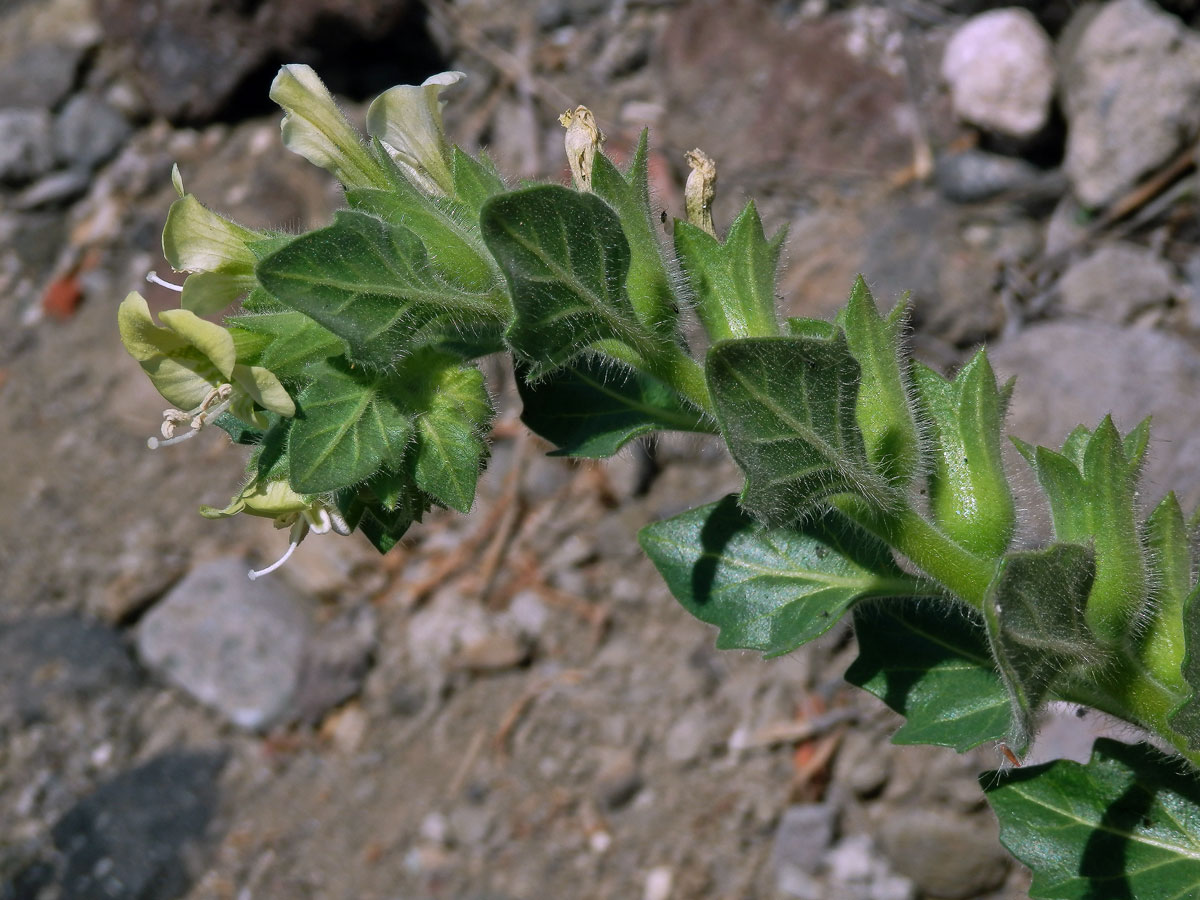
point(874, 486)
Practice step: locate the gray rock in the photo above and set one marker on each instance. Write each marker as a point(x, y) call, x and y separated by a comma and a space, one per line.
point(336, 662)
point(802, 840)
point(26, 144)
point(975, 175)
point(861, 764)
point(618, 779)
point(190, 57)
point(142, 833)
point(40, 77)
point(235, 645)
point(1067, 227)
point(46, 659)
point(945, 854)
point(1116, 282)
point(1074, 372)
point(917, 245)
point(1000, 68)
point(688, 738)
point(88, 132)
point(53, 189)
point(552, 14)
point(855, 869)
point(1131, 90)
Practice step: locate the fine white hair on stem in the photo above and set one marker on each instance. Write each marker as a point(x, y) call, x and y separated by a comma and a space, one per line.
point(153, 278)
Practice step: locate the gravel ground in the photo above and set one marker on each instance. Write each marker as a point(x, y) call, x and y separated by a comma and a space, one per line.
point(510, 705)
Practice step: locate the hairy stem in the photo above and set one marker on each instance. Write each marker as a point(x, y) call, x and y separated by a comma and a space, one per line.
point(961, 572)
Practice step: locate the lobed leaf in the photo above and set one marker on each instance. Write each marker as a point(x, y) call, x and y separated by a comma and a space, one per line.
point(454, 413)
point(349, 424)
point(883, 407)
point(1125, 825)
point(1092, 488)
point(566, 259)
point(969, 495)
point(1185, 718)
point(733, 282)
point(383, 521)
point(454, 247)
point(593, 408)
point(786, 409)
point(370, 282)
point(930, 662)
point(294, 340)
point(770, 589)
point(648, 283)
point(1169, 559)
point(475, 180)
point(1035, 615)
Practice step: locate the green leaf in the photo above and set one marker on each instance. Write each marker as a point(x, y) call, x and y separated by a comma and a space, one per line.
point(770, 589)
point(1035, 614)
point(786, 409)
point(931, 663)
point(349, 424)
point(370, 283)
point(592, 408)
point(1185, 718)
point(813, 328)
point(733, 282)
point(454, 416)
point(648, 283)
point(1126, 825)
point(475, 180)
point(969, 494)
point(1092, 487)
point(1169, 557)
point(883, 408)
point(382, 524)
point(566, 258)
point(453, 243)
point(240, 432)
point(269, 460)
point(294, 340)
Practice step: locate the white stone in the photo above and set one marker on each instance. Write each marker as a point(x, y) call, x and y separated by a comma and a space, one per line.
point(234, 644)
point(1000, 68)
point(1131, 94)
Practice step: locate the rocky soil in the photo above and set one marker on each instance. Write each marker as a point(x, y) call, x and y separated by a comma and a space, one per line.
point(510, 705)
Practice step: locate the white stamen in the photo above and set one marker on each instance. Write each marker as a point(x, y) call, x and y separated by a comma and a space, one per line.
point(299, 530)
point(154, 443)
point(198, 417)
point(153, 278)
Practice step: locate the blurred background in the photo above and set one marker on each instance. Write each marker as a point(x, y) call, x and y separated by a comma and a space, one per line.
point(510, 705)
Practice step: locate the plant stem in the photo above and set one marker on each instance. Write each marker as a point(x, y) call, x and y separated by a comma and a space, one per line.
point(1127, 691)
point(683, 373)
point(961, 572)
point(670, 364)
